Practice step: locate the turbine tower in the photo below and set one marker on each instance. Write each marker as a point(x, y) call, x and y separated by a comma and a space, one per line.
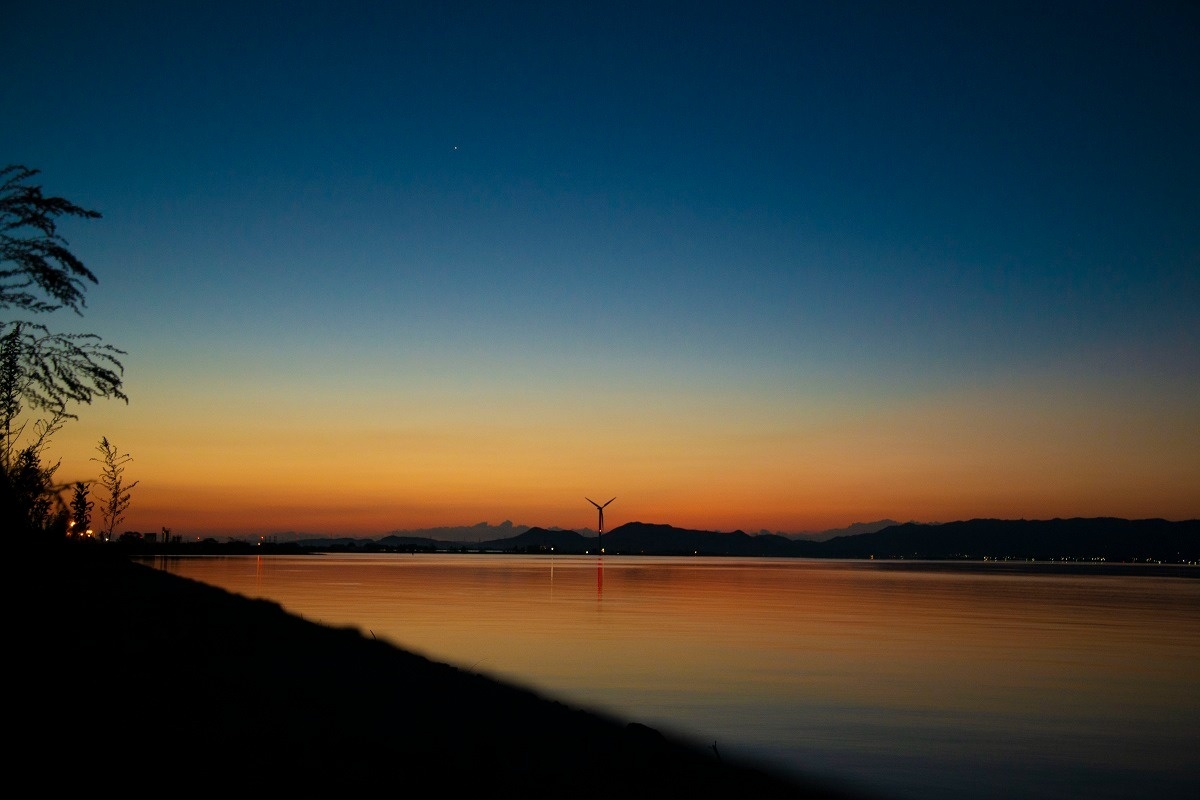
point(600, 529)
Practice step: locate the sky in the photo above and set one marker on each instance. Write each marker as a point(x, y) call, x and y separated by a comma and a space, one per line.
point(742, 266)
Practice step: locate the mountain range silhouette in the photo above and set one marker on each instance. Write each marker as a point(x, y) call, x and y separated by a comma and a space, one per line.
point(1076, 539)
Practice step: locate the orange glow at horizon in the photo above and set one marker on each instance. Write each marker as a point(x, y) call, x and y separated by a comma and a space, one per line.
point(1011, 453)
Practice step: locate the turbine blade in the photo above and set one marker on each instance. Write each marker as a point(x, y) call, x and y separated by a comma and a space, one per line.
point(610, 501)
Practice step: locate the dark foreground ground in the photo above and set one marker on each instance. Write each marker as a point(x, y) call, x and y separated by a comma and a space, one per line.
point(141, 682)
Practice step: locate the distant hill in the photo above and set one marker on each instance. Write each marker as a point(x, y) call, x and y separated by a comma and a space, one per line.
point(646, 538)
point(1108, 538)
point(542, 540)
point(395, 542)
point(480, 532)
point(1078, 539)
point(850, 530)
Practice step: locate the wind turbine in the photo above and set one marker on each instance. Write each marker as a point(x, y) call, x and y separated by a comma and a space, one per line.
point(600, 530)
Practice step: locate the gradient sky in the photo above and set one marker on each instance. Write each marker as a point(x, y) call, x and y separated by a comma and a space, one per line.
point(781, 266)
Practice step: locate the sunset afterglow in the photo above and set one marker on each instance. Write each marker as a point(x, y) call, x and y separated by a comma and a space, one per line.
point(778, 267)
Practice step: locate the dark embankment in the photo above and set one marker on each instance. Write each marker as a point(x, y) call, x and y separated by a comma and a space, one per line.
point(143, 682)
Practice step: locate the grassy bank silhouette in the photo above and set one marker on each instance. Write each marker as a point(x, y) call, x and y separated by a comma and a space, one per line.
point(144, 681)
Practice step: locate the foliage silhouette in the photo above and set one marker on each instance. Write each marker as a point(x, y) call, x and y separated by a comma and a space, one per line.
point(41, 371)
point(50, 370)
point(39, 273)
point(81, 509)
point(112, 478)
point(29, 501)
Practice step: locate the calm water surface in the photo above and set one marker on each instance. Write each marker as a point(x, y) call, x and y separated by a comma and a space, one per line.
point(908, 679)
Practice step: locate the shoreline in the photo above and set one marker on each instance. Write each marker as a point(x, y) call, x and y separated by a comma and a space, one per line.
point(143, 679)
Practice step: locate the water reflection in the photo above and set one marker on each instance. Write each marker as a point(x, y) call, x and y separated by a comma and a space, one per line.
point(925, 680)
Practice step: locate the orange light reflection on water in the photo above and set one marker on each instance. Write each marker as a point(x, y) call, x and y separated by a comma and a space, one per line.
point(987, 663)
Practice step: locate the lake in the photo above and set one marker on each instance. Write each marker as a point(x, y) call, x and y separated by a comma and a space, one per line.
point(964, 680)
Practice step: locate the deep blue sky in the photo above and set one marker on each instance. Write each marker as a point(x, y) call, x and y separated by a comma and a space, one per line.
point(793, 264)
